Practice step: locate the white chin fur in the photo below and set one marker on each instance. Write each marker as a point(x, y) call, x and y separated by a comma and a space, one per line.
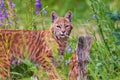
point(62, 36)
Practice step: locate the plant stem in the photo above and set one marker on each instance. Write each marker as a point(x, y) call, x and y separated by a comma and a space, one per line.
point(100, 29)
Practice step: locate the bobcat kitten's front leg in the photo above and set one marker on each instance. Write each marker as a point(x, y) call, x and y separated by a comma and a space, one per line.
point(46, 63)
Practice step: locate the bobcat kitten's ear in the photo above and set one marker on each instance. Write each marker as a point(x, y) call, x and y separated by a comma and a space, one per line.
point(69, 15)
point(53, 16)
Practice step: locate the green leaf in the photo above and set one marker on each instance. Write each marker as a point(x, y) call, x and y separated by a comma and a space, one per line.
point(117, 43)
point(116, 34)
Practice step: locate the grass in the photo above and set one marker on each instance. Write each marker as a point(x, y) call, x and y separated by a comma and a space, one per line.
point(104, 61)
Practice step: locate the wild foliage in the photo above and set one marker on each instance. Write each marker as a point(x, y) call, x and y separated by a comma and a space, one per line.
point(98, 18)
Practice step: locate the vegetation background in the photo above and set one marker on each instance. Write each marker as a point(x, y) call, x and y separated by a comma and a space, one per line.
point(97, 18)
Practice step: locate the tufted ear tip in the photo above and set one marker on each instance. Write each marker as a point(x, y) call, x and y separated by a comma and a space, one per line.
point(68, 15)
point(53, 12)
point(70, 12)
point(53, 16)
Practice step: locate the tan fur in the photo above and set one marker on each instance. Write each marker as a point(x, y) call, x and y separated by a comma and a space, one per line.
point(37, 44)
point(73, 72)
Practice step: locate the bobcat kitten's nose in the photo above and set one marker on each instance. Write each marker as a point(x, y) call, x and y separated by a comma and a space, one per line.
point(63, 32)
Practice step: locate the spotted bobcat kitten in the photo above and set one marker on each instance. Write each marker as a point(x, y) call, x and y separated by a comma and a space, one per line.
point(39, 45)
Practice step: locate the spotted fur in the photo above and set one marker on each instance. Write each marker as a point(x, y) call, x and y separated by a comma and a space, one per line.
point(37, 44)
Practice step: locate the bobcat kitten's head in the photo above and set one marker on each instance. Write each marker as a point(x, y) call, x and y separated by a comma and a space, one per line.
point(61, 26)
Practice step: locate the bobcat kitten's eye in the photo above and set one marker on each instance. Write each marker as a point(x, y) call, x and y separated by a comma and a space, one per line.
point(58, 27)
point(67, 26)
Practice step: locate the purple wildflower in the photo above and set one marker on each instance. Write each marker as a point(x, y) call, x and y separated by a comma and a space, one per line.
point(67, 62)
point(38, 5)
point(14, 60)
point(37, 12)
point(1, 17)
point(69, 49)
point(2, 11)
point(11, 22)
point(1, 4)
point(13, 5)
point(94, 16)
point(5, 13)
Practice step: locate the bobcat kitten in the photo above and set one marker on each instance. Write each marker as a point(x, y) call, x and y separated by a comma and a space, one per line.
point(37, 44)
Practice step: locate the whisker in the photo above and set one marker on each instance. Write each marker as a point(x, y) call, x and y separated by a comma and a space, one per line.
point(68, 36)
